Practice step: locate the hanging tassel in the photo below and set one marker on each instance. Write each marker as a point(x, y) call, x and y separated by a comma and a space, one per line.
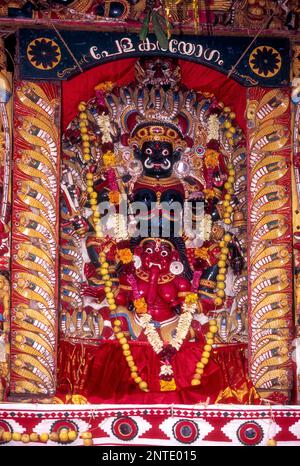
point(145, 27)
point(159, 32)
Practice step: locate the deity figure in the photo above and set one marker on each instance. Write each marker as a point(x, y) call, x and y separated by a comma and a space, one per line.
point(251, 13)
point(171, 274)
point(158, 279)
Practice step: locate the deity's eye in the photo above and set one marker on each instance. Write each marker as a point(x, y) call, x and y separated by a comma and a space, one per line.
point(149, 251)
point(165, 152)
point(148, 151)
point(164, 253)
point(165, 66)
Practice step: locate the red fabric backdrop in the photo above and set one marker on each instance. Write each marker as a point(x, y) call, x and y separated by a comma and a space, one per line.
point(194, 76)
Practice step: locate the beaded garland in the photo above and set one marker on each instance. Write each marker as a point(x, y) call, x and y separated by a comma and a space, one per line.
point(102, 258)
point(220, 286)
point(63, 436)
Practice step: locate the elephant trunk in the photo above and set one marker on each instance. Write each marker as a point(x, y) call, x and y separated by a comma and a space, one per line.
point(153, 282)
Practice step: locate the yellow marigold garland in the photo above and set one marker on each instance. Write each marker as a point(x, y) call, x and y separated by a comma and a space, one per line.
point(124, 255)
point(140, 305)
point(106, 86)
point(109, 159)
point(202, 253)
point(211, 158)
point(114, 197)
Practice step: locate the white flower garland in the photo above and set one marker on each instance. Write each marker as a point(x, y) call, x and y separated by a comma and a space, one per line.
point(183, 326)
point(104, 124)
point(166, 369)
point(205, 228)
point(213, 128)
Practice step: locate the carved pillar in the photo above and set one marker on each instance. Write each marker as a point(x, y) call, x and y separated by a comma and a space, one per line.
point(295, 78)
point(270, 242)
point(35, 239)
point(5, 214)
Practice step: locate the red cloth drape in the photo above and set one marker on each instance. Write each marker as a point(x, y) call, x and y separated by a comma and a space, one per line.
point(121, 72)
point(101, 374)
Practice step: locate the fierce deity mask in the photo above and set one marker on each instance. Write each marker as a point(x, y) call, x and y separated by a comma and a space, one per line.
point(156, 253)
point(157, 72)
point(158, 147)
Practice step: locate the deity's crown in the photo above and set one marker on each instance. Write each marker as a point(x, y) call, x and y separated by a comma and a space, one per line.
point(153, 115)
point(156, 131)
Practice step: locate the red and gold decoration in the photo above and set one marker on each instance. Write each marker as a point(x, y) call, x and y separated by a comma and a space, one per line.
point(154, 262)
point(5, 217)
point(35, 239)
point(191, 15)
point(295, 79)
point(270, 267)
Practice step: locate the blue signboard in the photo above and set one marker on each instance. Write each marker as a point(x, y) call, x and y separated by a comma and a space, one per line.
point(43, 54)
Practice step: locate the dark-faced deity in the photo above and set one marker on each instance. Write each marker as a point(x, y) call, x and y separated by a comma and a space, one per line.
point(158, 147)
point(157, 158)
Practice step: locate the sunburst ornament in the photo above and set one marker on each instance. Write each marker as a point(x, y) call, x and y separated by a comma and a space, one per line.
point(44, 53)
point(265, 61)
